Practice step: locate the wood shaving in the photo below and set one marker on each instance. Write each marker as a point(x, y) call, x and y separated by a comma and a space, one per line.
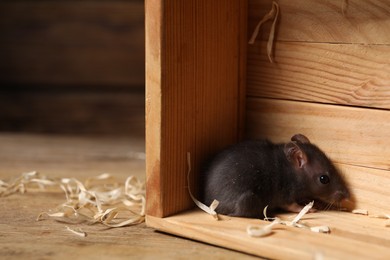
point(258, 231)
point(78, 233)
point(30, 180)
point(383, 216)
point(53, 215)
point(99, 199)
point(360, 211)
point(208, 209)
point(273, 14)
point(320, 229)
point(265, 213)
point(302, 212)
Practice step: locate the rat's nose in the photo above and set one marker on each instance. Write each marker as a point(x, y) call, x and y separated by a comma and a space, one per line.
point(342, 196)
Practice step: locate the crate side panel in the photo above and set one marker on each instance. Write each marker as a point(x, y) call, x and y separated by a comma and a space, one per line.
point(347, 74)
point(326, 21)
point(199, 93)
point(153, 27)
point(369, 188)
point(350, 135)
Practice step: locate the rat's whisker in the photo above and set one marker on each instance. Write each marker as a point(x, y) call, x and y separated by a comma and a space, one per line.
point(321, 205)
point(329, 206)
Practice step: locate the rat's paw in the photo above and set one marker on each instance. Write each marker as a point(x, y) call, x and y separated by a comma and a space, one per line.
point(296, 208)
point(293, 207)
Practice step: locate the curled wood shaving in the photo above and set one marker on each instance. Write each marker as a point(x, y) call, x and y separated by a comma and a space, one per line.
point(99, 199)
point(29, 180)
point(258, 231)
point(272, 14)
point(303, 212)
point(360, 211)
point(104, 179)
point(265, 213)
point(211, 209)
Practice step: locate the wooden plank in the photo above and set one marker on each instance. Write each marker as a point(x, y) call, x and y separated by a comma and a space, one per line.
point(369, 188)
point(194, 92)
point(356, 75)
point(77, 42)
point(363, 22)
point(153, 106)
point(351, 226)
point(77, 112)
point(354, 136)
point(285, 242)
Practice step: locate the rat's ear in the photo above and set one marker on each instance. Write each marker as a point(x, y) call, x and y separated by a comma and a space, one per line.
point(300, 139)
point(295, 154)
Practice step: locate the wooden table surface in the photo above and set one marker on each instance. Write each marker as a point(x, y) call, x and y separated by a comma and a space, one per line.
point(21, 236)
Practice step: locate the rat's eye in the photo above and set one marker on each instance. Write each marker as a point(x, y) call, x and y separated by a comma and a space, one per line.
point(324, 179)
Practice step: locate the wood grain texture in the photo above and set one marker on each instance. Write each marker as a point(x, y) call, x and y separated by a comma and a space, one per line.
point(286, 242)
point(355, 75)
point(153, 106)
point(65, 156)
point(354, 136)
point(369, 188)
point(79, 156)
point(323, 21)
point(73, 112)
point(72, 42)
point(194, 93)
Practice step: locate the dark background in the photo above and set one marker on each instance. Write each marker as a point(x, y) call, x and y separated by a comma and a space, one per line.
point(72, 67)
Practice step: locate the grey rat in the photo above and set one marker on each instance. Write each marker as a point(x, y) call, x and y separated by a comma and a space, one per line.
point(251, 175)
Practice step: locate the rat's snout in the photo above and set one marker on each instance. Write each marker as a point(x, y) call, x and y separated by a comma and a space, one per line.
point(341, 195)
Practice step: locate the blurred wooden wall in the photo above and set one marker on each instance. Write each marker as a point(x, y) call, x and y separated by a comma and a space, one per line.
point(72, 66)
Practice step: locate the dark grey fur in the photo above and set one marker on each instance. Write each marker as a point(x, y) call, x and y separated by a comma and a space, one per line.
point(248, 176)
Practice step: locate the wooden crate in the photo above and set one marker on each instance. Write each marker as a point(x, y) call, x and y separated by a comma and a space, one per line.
point(207, 88)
